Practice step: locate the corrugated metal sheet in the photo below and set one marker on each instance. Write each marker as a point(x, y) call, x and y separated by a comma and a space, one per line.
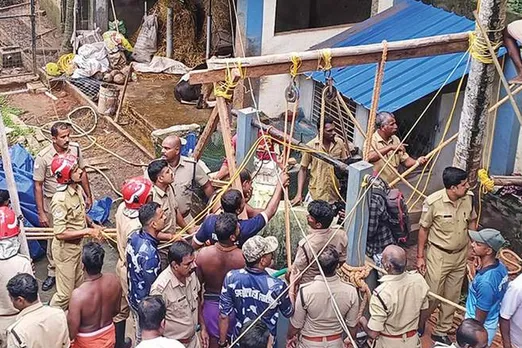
point(404, 80)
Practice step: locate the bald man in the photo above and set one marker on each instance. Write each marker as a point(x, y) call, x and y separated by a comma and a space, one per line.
point(399, 306)
point(187, 174)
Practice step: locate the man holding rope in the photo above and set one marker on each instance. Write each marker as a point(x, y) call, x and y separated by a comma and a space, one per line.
point(45, 184)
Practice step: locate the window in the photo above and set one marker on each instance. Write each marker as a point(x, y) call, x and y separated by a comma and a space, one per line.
point(309, 14)
point(331, 111)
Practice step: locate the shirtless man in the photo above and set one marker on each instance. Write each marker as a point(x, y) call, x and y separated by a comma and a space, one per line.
point(94, 304)
point(213, 263)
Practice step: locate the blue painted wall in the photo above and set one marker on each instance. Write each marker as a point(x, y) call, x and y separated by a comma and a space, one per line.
point(507, 130)
point(250, 15)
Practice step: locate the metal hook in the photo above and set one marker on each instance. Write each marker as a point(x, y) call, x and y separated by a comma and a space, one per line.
point(292, 92)
point(331, 93)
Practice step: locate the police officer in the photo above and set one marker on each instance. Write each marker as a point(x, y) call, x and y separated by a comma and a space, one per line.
point(37, 326)
point(187, 173)
point(135, 193)
point(446, 215)
point(71, 224)
point(11, 263)
point(314, 314)
point(45, 184)
point(399, 306)
point(180, 288)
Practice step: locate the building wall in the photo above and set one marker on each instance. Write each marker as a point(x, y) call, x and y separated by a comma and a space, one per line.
point(53, 9)
point(271, 95)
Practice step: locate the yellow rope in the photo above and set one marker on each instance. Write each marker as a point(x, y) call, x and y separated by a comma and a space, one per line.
point(326, 58)
point(296, 65)
point(226, 88)
point(479, 48)
point(65, 63)
point(486, 185)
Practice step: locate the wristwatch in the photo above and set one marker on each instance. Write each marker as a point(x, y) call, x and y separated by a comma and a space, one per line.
point(223, 344)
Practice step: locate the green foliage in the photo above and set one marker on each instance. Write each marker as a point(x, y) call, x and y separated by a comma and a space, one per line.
point(515, 6)
point(8, 122)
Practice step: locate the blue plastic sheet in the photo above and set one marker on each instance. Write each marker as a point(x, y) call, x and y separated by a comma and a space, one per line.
point(23, 164)
point(190, 145)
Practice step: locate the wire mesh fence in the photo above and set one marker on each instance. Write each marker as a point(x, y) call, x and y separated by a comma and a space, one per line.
point(17, 38)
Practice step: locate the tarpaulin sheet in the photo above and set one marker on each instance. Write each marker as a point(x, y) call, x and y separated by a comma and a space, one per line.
point(23, 163)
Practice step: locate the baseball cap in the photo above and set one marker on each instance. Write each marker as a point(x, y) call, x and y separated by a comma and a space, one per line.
point(488, 236)
point(258, 246)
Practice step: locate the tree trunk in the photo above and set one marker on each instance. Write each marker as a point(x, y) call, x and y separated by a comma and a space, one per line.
point(478, 95)
point(66, 46)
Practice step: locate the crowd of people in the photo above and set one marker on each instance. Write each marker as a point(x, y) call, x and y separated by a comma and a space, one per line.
point(215, 285)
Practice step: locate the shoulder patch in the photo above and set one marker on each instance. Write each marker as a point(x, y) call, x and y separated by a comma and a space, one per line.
point(189, 160)
point(44, 150)
point(433, 198)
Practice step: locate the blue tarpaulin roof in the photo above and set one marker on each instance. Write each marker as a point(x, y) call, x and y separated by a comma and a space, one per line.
point(407, 80)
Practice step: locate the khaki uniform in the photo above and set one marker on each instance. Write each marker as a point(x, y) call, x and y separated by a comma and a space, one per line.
point(187, 171)
point(167, 201)
point(395, 309)
point(182, 306)
point(399, 157)
point(68, 209)
point(323, 182)
point(42, 172)
point(39, 326)
point(126, 222)
point(314, 312)
point(446, 255)
point(8, 269)
point(318, 239)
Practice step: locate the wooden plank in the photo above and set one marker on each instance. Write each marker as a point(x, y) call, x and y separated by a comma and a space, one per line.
point(130, 137)
point(207, 133)
point(343, 56)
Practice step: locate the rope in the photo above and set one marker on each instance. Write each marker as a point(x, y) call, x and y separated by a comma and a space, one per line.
point(326, 57)
point(65, 63)
point(226, 88)
point(357, 276)
point(486, 185)
point(479, 48)
point(379, 75)
point(296, 65)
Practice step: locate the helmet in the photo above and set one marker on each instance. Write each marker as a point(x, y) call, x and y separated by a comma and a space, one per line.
point(62, 166)
point(8, 223)
point(135, 192)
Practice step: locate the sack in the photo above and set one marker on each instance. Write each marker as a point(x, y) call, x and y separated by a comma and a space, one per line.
point(147, 42)
point(399, 221)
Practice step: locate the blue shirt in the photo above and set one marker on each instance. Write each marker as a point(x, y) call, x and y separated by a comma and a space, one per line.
point(143, 265)
point(249, 292)
point(247, 229)
point(486, 293)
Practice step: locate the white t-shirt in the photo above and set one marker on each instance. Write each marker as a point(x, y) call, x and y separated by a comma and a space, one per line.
point(160, 342)
point(511, 309)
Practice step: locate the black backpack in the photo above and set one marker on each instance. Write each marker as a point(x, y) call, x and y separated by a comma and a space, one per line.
point(399, 221)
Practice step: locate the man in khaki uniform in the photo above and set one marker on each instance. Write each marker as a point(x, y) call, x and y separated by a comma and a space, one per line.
point(70, 226)
point(37, 326)
point(399, 306)
point(314, 318)
point(323, 182)
point(446, 215)
point(135, 193)
point(11, 263)
point(187, 174)
point(320, 217)
point(180, 289)
point(389, 146)
point(45, 184)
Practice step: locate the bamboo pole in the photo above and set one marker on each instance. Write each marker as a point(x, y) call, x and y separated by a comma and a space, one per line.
point(122, 97)
point(342, 56)
point(428, 156)
point(11, 184)
point(505, 99)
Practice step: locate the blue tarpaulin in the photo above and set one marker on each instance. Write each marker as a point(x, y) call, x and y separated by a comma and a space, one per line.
point(23, 172)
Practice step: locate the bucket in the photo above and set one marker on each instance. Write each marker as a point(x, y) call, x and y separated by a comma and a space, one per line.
point(108, 99)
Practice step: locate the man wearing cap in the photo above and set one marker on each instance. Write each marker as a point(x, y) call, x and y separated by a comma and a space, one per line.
point(490, 283)
point(251, 290)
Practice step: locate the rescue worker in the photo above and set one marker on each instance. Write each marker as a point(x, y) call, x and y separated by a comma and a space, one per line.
point(36, 326)
point(322, 178)
point(446, 216)
point(45, 184)
point(187, 174)
point(315, 323)
point(181, 291)
point(11, 263)
point(71, 224)
point(389, 145)
point(135, 193)
point(399, 306)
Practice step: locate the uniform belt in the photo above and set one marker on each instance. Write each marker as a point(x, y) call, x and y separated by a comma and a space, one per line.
point(407, 334)
point(322, 338)
point(186, 340)
point(448, 251)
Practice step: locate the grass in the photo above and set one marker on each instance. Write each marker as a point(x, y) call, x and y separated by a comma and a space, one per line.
point(8, 122)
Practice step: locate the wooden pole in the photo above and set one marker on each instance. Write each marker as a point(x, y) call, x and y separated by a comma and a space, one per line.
point(342, 56)
point(11, 184)
point(479, 91)
point(122, 98)
point(207, 133)
point(428, 156)
point(505, 99)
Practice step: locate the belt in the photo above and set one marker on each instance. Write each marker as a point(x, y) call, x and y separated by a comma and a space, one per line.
point(186, 340)
point(448, 251)
point(407, 334)
point(321, 338)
